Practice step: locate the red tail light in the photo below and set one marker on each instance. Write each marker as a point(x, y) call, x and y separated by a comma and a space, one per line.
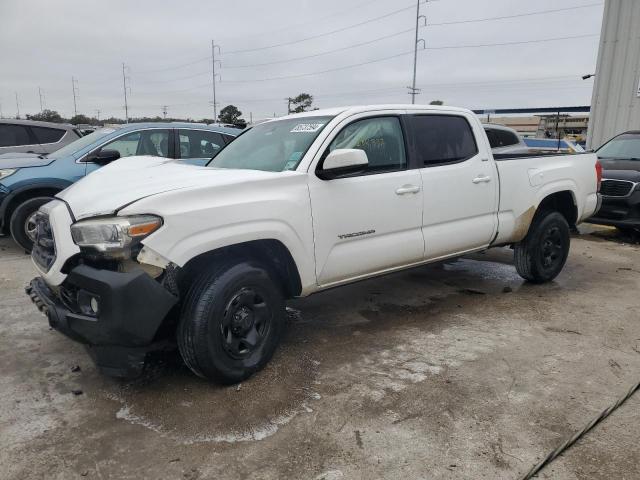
point(598, 173)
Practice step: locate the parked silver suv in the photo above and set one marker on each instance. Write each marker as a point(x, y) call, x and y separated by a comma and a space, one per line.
point(29, 136)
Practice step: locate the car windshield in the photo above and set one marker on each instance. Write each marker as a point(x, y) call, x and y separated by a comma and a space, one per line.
point(625, 146)
point(272, 146)
point(81, 143)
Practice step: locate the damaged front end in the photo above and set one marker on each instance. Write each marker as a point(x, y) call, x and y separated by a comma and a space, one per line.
point(117, 297)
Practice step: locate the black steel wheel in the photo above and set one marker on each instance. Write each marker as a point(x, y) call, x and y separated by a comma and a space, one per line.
point(541, 255)
point(231, 321)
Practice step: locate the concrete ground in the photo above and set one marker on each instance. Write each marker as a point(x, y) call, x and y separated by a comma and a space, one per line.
point(437, 372)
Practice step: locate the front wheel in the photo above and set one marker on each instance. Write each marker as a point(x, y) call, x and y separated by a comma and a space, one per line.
point(541, 255)
point(231, 322)
point(22, 224)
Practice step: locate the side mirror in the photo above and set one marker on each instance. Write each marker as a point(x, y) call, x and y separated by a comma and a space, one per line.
point(104, 156)
point(343, 161)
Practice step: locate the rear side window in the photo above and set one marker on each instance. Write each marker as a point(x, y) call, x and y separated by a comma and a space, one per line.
point(503, 138)
point(200, 144)
point(48, 135)
point(14, 135)
point(441, 139)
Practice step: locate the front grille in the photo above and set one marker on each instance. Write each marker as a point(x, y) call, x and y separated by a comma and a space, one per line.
point(44, 247)
point(616, 188)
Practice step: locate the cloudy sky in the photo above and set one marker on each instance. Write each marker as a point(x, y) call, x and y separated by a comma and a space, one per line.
point(341, 51)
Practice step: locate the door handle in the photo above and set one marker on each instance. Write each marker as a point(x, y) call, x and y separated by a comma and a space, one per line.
point(403, 190)
point(481, 179)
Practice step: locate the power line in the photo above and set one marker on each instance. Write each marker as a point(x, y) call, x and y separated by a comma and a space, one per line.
point(348, 27)
point(322, 53)
point(203, 59)
point(345, 67)
point(504, 17)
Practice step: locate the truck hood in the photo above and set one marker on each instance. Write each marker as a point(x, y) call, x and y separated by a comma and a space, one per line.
point(21, 160)
point(125, 181)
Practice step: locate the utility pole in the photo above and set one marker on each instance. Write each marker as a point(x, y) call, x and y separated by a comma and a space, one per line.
point(213, 77)
point(164, 110)
point(124, 86)
point(17, 106)
point(74, 87)
point(413, 91)
point(98, 114)
point(41, 103)
point(288, 99)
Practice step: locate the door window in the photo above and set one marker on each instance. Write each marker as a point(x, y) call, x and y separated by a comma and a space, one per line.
point(200, 144)
point(381, 138)
point(48, 135)
point(442, 139)
point(147, 142)
point(14, 135)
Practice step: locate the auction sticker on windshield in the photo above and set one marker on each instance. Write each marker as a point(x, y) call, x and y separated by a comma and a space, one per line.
point(307, 127)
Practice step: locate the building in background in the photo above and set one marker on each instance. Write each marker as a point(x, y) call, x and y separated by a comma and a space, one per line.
point(615, 104)
point(547, 126)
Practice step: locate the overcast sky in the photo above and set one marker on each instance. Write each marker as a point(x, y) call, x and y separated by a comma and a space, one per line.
point(167, 48)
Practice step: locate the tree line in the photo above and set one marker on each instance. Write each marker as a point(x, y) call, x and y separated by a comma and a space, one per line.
point(230, 115)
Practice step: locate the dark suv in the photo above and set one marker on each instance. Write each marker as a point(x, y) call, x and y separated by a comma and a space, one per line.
point(28, 136)
point(620, 188)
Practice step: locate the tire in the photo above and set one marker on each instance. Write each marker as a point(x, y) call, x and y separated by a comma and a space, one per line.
point(231, 322)
point(541, 255)
point(20, 220)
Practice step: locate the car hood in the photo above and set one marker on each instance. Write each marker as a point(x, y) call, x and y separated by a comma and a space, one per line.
point(619, 164)
point(20, 160)
point(125, 181)
point(631, 175)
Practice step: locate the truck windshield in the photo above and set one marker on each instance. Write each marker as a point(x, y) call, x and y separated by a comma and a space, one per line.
point(272, 146)
point(626, 146)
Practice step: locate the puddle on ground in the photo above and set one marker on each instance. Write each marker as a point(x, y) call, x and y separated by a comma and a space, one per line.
point(190, 410)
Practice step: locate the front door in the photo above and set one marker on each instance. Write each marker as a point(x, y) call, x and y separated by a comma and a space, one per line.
point(371, 221)
point(154, 142)
point(460, 184)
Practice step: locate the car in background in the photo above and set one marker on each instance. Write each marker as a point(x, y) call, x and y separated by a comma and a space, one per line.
point(29, 181)
point(504, 139)
point(29, 136)
point(620, 187)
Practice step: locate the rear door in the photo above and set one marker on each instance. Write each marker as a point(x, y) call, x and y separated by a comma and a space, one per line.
point(370, 221)
point(460, 183)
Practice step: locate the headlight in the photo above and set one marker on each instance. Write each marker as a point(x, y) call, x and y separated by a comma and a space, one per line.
point(5, 172)
point(114, 235)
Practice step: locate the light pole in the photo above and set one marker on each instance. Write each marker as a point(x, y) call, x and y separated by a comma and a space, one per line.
point(413, 91)
point(213, 77)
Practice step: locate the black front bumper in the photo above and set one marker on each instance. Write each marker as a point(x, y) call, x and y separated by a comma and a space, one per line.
point(619, 211)
point(120, 334)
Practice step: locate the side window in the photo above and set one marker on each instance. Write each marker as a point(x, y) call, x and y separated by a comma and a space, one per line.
point(493, 140)
point(48, 135)
point(14, 135)
point(506, 138)
point(149, 142)
point(381, 138)
point(443, 139)
point(200, 143)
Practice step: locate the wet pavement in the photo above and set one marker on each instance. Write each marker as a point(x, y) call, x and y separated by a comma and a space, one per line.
point(453, 370)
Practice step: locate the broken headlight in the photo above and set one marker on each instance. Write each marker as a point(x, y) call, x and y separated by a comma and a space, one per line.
point(114, 236)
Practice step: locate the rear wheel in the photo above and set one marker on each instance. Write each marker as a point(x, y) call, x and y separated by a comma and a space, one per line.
point(231, 322)
point(541, 255)
point(22, 224)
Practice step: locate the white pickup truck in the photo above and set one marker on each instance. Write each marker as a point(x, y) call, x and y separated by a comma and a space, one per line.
point(147, 252)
